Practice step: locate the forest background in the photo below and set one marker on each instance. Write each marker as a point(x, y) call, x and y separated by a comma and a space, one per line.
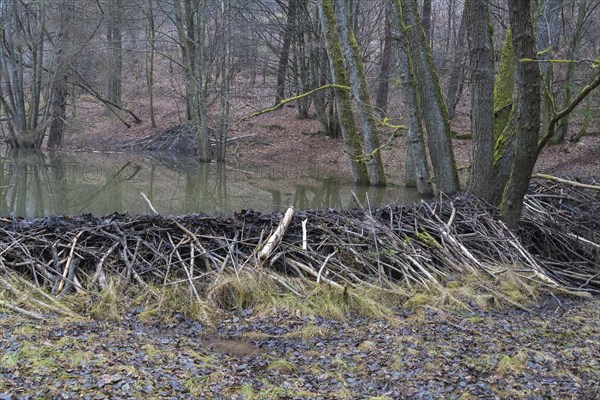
point(412, 78)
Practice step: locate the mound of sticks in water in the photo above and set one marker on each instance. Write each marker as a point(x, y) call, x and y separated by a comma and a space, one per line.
point(423, 245)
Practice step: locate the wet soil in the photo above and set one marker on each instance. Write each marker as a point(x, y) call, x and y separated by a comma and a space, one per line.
point(551, 351)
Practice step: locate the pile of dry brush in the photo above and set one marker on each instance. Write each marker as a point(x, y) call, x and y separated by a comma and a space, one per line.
point(422, 245)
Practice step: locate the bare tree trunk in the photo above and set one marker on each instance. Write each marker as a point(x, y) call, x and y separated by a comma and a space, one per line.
point(151, 40)
point(360, 91)
point(481, 56)
point(546, 29)
point(115, 57)
point(457, 70)
point(433, 107)
point(59, 86)
point(350, 135)
point(23, 46)
point(284, 55)
point(426, 19)
point(191, 27)
point(416, 169)
point(384, 75)
point(572, 54)
point(225, 75)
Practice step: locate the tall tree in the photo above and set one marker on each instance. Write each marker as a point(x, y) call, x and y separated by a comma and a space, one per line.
point(62, 56)
point(284, 54)
point(351, 137)
point(546, 34)
point(522, 131)
point(22, 58)
point(481, 56)
point(115, 51)
point(572, 54)
point(191, 27)
point(416, 169)
point(225, 76)
point(432, 104)
point(358, 84)
point(383, 83)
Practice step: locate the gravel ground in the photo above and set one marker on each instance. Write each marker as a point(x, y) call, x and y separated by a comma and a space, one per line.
point(549, 352)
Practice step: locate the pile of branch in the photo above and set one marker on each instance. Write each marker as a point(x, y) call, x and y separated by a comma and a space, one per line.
point(419, 246)
point(561, 228)
point(180, 139)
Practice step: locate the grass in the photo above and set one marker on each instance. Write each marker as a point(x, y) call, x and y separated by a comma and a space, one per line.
point(266, 293)
point(512, 363)
point(282, 366)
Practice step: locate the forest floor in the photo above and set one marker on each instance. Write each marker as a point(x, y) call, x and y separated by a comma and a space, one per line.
point(551, 351)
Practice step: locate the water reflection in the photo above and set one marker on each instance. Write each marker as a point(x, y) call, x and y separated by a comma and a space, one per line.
point(36, 184)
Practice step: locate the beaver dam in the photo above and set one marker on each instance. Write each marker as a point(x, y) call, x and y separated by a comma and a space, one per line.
point(423, 246)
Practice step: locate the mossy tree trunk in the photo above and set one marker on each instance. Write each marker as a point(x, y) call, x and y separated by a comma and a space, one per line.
point(434, 110)
point(522, 131)
point(481, 60)
point(358, 83)
point(351, 137)
point(416, 169)
point(504, 85)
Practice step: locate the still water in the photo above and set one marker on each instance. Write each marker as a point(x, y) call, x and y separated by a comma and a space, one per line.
point(34, 184)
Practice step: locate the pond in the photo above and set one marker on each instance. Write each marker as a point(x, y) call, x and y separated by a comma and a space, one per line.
point(34, 184)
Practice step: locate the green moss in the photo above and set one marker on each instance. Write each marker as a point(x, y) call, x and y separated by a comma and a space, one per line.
point(503, 87)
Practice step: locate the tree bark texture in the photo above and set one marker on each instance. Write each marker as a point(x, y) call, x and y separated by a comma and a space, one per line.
point(115, 52)
point(416, 170)
point(572, 54)
point(546, 30)
point(59, 86)
point(284, 55)
point(358, 84)
point(426, 19)
point(383, 83)
point(481, 60)
point(350, 135)
point(457, 70)
point(526, 113)
point(432, 103)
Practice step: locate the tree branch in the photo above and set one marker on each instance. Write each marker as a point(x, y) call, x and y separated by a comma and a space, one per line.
point(298, 97)
point(560, 115)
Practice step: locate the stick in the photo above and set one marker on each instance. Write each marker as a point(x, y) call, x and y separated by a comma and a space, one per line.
point(323, 267)
point(149, 204)
point(304, 235)
point(68, 263)
point(275, 238)
point(566, 182)
point(29, 314)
